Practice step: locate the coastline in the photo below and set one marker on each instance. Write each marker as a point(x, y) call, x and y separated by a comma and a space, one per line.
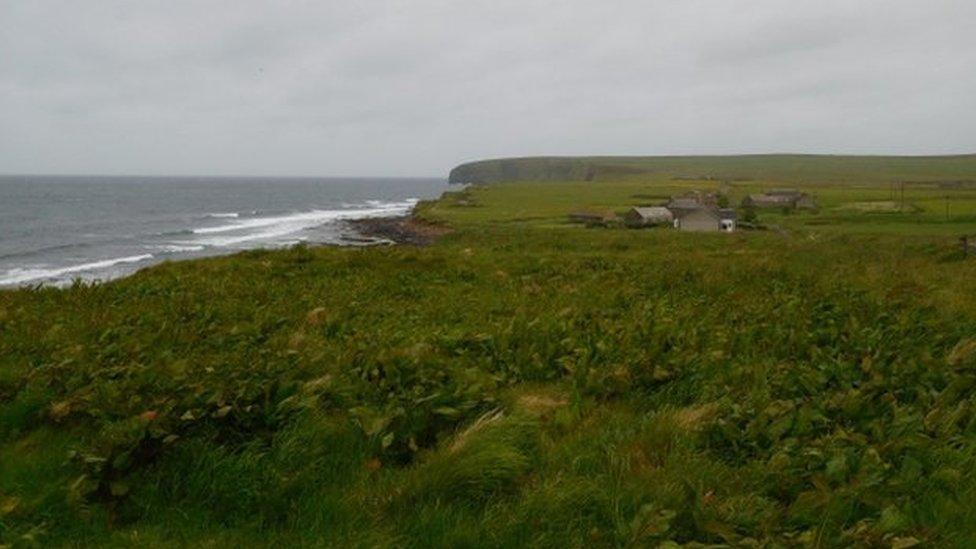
point(407, 230)
point(81, 236)
point(395, 230)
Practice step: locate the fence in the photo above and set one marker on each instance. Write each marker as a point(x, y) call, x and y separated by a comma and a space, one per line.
point(968, 245)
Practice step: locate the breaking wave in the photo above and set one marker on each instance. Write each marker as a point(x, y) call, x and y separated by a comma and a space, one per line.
point(22, 275)
point(276, 227)
point(178, 248)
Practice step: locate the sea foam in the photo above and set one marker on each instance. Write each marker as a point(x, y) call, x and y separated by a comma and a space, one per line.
point(275, 227)
point(22, 275)
point(177, 248)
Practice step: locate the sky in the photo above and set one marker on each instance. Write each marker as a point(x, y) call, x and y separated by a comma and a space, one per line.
point(414, 87)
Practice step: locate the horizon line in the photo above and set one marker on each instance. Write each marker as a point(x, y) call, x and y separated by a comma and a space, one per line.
point(216, 176)
point(487, 159)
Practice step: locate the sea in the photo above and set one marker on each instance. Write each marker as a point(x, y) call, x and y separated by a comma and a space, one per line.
point(58, 229)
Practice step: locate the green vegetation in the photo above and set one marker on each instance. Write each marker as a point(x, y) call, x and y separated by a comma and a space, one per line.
point(521, 382)
point(783, 167)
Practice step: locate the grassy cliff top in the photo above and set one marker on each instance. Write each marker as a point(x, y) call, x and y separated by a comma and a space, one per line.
point(785, 167)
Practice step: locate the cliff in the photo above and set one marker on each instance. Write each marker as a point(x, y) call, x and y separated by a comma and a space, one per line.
point(769, 167)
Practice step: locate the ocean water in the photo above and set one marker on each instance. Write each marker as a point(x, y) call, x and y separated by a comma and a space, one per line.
point(55, 229)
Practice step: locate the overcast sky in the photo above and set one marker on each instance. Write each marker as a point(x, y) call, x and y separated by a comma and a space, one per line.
point(413, 87)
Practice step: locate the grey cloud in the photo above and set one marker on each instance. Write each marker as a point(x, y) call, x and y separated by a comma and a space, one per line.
point(780, 39)
point(412, 87)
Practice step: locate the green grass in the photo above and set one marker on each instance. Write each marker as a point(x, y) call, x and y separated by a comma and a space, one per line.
point(922, 209)
point(795, 168)
point(522, 382)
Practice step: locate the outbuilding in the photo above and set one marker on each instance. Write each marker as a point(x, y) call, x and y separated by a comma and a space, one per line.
point(805, 202)
point(780, 198)
point(594, 219)
point(706, 220)
point(768, 201)
point(682, 206)
point(649, 216)
point(699, 219)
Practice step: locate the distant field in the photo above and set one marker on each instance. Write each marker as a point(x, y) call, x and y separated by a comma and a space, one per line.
point(796, 169)
point(910, 209)
point(523, 382)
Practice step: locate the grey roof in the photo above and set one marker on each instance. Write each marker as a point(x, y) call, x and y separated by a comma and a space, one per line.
point(684, 212)
point(771, 198)
point(653, 212)
point(727, 213)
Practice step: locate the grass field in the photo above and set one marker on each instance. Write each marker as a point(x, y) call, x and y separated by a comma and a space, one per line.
point(522, 382)
point(918, 209)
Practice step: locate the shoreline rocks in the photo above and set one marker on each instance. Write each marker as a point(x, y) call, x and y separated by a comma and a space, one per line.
point(403, 230)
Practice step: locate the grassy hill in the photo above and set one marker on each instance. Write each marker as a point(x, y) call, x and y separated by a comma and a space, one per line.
point(796, 169)
point(521, 382)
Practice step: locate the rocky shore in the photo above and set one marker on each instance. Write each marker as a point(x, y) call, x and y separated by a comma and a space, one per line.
point(404, 230)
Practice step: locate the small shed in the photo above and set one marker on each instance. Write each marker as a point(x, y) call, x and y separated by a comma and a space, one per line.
point(768, 201)
point(649, 216)
point(594, 219)
point(781, 198)
point(586, 217)
point(806, 202)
